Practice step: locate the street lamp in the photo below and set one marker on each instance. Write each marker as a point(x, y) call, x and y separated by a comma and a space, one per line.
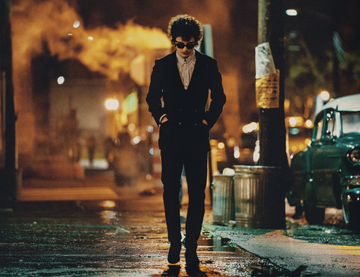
point(320, 100)
point(325, 96)
point(291, 12)
point(112, 104)
point(60, 80)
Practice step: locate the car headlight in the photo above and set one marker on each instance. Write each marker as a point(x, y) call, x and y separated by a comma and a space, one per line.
point(354, 155)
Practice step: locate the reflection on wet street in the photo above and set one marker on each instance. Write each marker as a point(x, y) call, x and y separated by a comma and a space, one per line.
point(129, 238)
point(105, 239)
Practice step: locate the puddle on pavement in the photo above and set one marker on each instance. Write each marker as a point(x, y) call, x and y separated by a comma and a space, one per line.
point(216, 244)
point(176, 270)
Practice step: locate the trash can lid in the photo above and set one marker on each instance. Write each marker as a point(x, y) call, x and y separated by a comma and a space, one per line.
point(223, 175)
point(255, 168)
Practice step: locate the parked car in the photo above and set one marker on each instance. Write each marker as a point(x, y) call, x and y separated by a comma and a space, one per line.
point(327, 173)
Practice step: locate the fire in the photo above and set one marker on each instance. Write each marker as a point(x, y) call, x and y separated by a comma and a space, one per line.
point(56, 24)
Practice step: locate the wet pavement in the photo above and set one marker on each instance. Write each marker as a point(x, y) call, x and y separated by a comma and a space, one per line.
point(330, 249)
point(127, 236)
point(84, 239)
point(123, 237)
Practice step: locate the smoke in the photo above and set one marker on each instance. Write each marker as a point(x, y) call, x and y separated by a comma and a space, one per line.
point(57, 25)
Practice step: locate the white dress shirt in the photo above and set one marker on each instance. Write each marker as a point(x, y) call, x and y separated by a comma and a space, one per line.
point(186, 68)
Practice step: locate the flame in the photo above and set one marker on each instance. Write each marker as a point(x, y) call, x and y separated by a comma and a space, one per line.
point(102, 49)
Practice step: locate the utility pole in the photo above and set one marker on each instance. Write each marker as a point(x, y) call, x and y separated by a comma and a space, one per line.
point(272, 132)
point(10, 177)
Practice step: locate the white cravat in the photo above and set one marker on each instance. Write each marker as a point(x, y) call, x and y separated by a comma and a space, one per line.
point(186, 68)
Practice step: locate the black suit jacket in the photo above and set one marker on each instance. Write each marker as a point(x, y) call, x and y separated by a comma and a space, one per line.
point(185, 109)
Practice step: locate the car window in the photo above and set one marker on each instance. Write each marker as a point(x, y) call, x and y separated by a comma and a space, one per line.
point(350, 122)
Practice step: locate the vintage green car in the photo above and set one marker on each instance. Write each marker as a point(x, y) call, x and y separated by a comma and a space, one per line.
point(327, 173)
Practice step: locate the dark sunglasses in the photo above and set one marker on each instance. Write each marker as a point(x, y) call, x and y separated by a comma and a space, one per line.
point(181, 45)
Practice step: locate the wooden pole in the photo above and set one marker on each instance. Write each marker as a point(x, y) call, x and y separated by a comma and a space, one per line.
point(7, 92)
point(272, 133)
point(10, 176)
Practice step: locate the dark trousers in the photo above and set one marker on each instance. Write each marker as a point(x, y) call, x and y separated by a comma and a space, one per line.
point(195, 164)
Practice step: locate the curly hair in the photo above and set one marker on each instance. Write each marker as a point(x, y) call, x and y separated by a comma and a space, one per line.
point(185, 26)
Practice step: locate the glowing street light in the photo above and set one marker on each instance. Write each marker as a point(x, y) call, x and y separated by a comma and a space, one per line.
point(292, 121)
point(60, 80)
point(308, 124)
point(248, 128)
point(76, 24)
point(291, 12)
point(112, 104)
point(320, 100)
point(221, 145)
point(325, 95)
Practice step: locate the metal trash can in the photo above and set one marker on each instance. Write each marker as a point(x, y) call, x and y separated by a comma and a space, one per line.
point(223, 203)
point(259, 197)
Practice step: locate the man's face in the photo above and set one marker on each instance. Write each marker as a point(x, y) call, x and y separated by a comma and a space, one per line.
point(185, 52)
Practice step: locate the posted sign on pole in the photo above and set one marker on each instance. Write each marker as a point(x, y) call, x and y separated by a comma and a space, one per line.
point(267, 91)
point(267, 78)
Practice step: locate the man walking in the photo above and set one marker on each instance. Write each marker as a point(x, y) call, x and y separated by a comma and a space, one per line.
point(177, 99)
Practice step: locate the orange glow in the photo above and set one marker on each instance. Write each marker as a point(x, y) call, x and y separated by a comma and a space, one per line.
point(221, 145)
point(248, 128)
point(302, 146)
point(108, 204)
point(295, 121)
point(308, 123)
point(105, 50)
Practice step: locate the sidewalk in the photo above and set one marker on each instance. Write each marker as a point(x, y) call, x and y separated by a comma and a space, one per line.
point(98, 185)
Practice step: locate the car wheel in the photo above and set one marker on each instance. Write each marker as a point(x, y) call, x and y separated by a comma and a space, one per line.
point(314, 215)
point(351, 213)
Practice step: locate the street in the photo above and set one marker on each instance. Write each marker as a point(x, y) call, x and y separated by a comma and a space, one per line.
point(270, 86)
point(126, 236)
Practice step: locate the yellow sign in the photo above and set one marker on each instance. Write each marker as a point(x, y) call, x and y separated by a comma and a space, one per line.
point(267, 91)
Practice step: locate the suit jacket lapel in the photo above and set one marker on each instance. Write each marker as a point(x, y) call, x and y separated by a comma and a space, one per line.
point(174, 71)
point(197, 70)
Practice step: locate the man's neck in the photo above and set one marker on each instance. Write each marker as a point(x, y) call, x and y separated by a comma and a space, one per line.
point(182, 59)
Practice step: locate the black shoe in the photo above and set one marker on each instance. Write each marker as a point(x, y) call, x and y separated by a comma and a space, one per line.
point(174, 253)
point(191, 258)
